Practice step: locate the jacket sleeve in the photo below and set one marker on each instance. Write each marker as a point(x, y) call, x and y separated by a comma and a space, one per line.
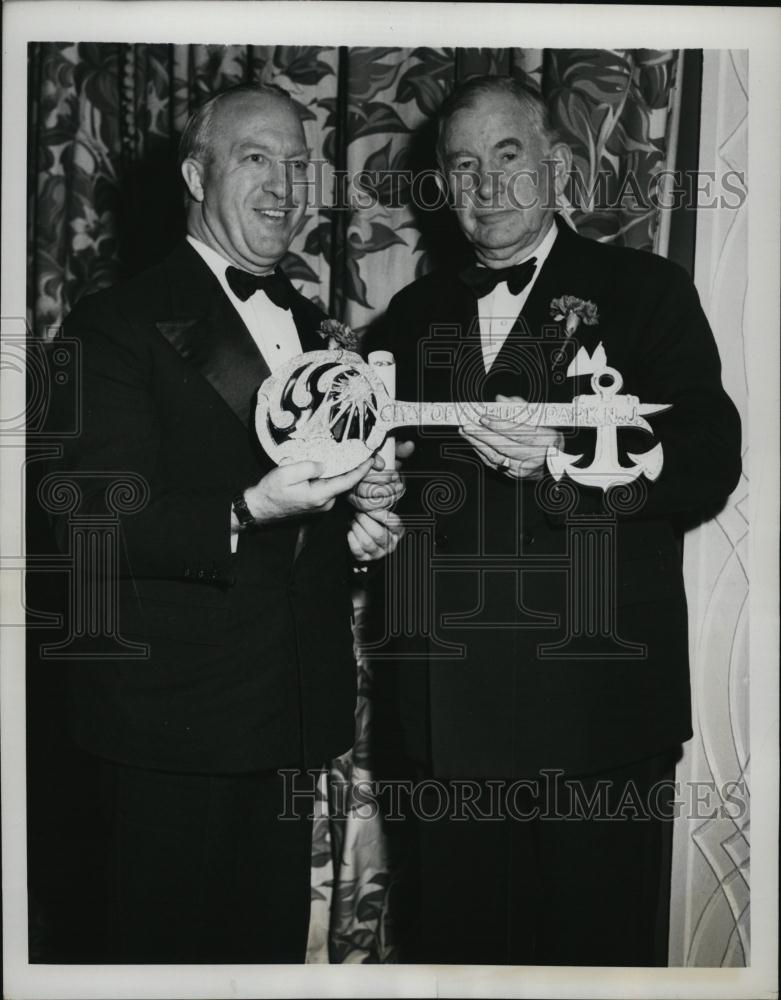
point(678, 363)
point(166, 530)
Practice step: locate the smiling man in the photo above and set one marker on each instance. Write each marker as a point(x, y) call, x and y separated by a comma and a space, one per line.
point(541, 690)
point(244, 160)
point(235, 575)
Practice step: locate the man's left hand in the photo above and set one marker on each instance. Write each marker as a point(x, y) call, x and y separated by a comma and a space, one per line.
point(372, 536)
point(375, 530)
point(516, 449)
point(380, 488)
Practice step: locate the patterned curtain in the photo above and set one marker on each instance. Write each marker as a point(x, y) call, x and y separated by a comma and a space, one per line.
point(105, 200)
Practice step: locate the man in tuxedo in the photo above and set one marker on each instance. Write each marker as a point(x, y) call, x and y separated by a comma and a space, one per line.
point(549, 670)
point(234, 574)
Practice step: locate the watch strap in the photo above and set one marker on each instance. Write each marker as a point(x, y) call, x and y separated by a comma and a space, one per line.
point(242, 511)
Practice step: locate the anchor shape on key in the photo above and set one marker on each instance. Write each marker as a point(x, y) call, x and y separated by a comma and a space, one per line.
point(607, 411)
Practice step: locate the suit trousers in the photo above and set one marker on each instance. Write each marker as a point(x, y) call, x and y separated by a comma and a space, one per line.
point(199, 868)
point(554, 871)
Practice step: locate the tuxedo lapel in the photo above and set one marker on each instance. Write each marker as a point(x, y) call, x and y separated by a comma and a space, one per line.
point(540, 338)
point(206, 331)
point(221, 348)
point(307, 317)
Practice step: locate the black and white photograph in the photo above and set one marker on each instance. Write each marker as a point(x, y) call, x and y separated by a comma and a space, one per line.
point(390, 499)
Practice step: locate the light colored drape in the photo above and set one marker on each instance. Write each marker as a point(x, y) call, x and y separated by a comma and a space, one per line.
point(709, 911)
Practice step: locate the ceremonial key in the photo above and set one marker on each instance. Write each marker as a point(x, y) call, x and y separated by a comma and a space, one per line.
point(332, 407)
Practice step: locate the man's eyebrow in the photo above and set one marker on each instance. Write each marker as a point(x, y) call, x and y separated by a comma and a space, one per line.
point(456, 153)
point(501, 144)
point(250, 144)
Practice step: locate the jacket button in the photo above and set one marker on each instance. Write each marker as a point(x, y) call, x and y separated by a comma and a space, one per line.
point(440, 540)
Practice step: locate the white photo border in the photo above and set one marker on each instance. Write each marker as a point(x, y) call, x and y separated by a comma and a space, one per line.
point(411, 24)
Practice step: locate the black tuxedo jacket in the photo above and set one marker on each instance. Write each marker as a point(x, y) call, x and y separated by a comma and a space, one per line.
point(250, 661)
point(494, 674)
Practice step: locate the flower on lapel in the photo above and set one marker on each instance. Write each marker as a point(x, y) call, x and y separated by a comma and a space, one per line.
point(573, 310)
point(339, 335)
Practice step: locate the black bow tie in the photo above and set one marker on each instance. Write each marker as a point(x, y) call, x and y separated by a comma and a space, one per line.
point(243, 285)
point(483, 280)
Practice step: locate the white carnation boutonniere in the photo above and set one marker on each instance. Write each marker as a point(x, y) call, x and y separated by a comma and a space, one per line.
point(573, 311)
point(339, 335)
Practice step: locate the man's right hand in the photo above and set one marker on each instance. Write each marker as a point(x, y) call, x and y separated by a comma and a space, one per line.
point(296, 489)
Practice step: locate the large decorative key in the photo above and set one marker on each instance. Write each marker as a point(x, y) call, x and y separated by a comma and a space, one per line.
point(332, 407)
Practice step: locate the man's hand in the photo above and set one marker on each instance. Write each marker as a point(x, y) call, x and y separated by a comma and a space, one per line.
point(516, 449)
point(372, 536)
point(296, 489)
point(380, 489)
point(375, 530)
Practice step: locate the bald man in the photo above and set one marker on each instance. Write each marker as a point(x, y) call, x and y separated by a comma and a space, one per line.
point(235, 574)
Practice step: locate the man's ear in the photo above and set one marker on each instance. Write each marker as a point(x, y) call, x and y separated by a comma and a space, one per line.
point(560, 156)
point(192, 172)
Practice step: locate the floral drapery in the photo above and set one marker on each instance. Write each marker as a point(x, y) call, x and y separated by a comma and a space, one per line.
point(105, 201)
point(105, 198)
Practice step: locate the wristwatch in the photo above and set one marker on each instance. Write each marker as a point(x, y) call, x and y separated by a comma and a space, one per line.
point(242, 511)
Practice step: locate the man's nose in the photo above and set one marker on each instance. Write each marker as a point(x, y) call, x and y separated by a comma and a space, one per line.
point(488, 186)
point(278, 179)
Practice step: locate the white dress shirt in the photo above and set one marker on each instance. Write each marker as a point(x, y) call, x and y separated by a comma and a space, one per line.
point(271, 327)
point(499, 309)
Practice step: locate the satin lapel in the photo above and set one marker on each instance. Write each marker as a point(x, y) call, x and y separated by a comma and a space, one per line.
point(548, 346)
point(208, 333)
point(307, 318)
point(307, 322)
